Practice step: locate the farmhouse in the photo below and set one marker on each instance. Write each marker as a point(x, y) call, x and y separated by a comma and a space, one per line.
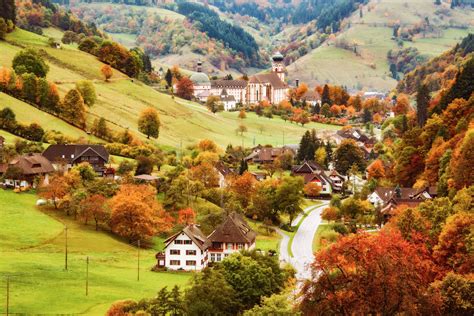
point(224, 172)
point(26, 171)
point(231, 236)
point(262, 155)
point(388, 199)
point(186, 250)
point(190, 249)
point(66, 156)
point(329, 180)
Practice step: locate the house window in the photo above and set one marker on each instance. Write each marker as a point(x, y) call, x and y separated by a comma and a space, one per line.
point(190, 262)
point(187, 242)
point(229, 245)
point(213, 257)
point(190, 252)
point(218, 257)
point(178, 242)
point(175, 262)
point(240, 246)
point(174, 252)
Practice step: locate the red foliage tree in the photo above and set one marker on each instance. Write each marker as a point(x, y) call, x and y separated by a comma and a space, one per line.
point(185, 88)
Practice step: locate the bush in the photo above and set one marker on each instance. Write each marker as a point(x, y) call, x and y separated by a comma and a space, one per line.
point(29, 61)
point(340, 228)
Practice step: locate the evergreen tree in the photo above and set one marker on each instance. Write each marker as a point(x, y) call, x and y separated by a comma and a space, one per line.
point(367, 116)
point(325, 97)
point(169, 78)
point(3, 28)
point(243, 166)
point(328, 148)
point(308, 145)
point(422, 102)
point(8, 10)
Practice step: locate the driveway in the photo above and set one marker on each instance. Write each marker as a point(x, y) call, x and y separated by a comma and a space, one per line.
point(302, 246)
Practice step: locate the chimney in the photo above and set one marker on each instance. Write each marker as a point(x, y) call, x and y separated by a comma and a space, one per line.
point(297, 83)
point(199, 66)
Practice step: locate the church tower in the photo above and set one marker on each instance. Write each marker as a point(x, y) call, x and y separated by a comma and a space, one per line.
point(278, 66)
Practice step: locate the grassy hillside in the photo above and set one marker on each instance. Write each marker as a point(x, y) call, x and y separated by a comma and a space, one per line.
point(372, 34)
point(32, 255)
point(121, 100)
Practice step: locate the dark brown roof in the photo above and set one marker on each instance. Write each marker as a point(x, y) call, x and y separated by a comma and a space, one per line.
point(270, 78)
point(225, 97)
point(194, 233)
point(268, 153)
point(32, 164)
point(387, 193)
point(234, 229)
point(308, 166)
point(393, 203)
point(223, 169)
point(311, 95)
point(71, 153)
point(232, 84)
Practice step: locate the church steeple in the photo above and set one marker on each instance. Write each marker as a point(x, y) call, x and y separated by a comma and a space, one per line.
point(278, 66)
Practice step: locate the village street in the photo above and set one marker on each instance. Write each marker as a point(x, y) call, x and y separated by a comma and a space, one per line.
point(302, 245)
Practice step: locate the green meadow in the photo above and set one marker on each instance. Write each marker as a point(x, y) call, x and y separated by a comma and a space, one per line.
point(32, 255)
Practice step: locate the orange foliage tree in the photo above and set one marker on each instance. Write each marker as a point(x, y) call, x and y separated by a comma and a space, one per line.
point(330, 214)
point(93, 207)
point(136, 214)
point(56, 190)
point(244, 187)
point(206, 174)
point(376, 170)
point(107, 72)
point(185, 88)
point(207, 145)
point(462, 171)
point(356, 274)
point(186, 216)
point(312, 189)
point(402, 106)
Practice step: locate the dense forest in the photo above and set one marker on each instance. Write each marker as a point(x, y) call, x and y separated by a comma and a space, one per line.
point(233, 36)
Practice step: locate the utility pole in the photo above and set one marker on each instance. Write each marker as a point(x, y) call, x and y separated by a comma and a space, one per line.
point(65, 248)
point(8, 294)
point(138, 263)
point(87, 276)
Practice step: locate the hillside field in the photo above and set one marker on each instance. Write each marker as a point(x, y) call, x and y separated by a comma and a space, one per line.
point(121, 100)
point(32, 252)
point(372, 34)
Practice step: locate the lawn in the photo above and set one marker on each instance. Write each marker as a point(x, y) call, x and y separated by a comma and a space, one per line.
point(32, 245)
point(323, 228)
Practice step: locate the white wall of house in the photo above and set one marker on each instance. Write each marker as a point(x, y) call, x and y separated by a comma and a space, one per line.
point(325, 187)
point(375, 199)
point(183, 254)
point(228, 249)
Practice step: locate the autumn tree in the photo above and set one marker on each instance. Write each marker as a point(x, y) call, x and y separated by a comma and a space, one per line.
point(73, 109)
point(242, 114)
point(243, 187)
point(347, 154)
point(330, 214)
point(454, 248)
point(93, 207)
point(214, 104)
point(107, 72)
point(366, 274)
point(149, 122)
point(461, 169)
point(454, 293)
point(289, 196)
point(241, 129)
point(186, 216)
point(207, 145)
point(136, 214)
point(206, 174)
point(376, 170)
point(55, 191)
point(312, 189)
point(3, 28)
point(29, 61)
point(185, 88)
point(402, 106)
point(87, 90)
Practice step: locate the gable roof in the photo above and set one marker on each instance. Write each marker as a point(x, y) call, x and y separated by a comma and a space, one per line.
point(72, 152)
point(234, 229)
point(311, 95)
point(308, 166)
point(223, 169)
point(386, 194)
point(31, 164)
point(225, 97)
point(270, 78)
point(194, 233)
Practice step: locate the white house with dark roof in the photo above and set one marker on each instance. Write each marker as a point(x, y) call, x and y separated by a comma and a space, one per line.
point(186, 250)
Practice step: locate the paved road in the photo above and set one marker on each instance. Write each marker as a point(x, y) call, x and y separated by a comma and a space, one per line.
point(302, 246)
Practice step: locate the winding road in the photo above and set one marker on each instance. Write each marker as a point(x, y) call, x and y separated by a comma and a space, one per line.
point(302, 245)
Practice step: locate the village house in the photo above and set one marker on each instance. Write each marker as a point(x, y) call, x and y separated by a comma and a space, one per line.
point(228, 101)
point(388, 199)
point(224, 173)
point(312, 98)
point(266, 155)
point(186, 250)
point(26, 171)
point(190, 249)
point(232, 88)
point(64, 157)
point(330, 181)
point(231, 236)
